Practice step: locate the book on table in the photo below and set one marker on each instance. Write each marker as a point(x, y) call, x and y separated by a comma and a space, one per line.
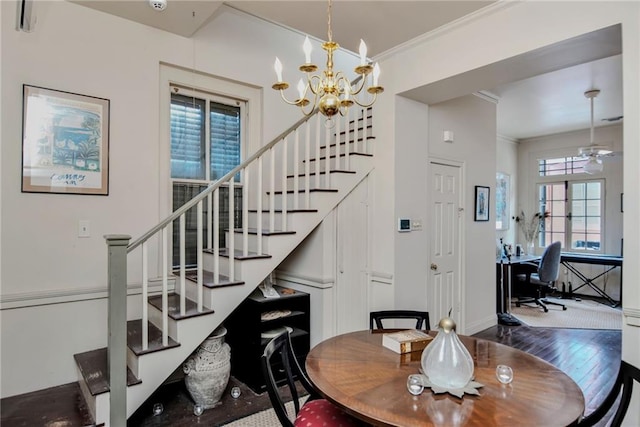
point(406, 341)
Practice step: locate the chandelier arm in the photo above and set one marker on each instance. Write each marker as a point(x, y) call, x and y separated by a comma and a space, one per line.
point(361, 86)
point(286, 100)
point(364, 105)
point(313, 106)
point(314, 89)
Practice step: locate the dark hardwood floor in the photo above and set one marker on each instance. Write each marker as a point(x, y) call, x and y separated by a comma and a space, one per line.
point(590, 357)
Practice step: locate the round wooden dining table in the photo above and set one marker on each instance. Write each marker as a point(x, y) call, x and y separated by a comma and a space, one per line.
point(367, 380)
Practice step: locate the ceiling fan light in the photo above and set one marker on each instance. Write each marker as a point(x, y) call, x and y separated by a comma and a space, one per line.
point(593, 165)
point(595, 150)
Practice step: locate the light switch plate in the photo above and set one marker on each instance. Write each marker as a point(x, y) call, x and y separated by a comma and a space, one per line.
point(83, 228)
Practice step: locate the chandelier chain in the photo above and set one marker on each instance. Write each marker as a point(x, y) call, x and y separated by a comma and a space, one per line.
point(329, 32)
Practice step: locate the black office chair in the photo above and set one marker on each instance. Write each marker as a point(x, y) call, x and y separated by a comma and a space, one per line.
point(543, 280)
point(626, 376)
point(421, 317)
point(287, 369)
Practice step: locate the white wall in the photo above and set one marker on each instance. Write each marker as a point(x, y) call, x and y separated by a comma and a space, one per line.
point(411, 251)
point(77, 49)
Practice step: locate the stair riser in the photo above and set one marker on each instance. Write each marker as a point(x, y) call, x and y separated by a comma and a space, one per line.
point(359, 147)
point(315, 199)
point(155, 315)
point(270, 244)
point(355, 162)
point(292, 219)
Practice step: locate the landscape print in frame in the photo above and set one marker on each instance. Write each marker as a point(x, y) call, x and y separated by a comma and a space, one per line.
point(65, 142)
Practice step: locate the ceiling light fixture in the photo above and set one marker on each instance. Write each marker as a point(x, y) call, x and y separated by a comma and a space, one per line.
point(332, 92)
point(593, 151)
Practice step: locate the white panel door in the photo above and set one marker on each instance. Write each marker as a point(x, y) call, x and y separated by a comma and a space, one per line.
point(445, 261)
point(352, 242)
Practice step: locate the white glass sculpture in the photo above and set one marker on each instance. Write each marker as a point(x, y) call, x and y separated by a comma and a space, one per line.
point(446, 361)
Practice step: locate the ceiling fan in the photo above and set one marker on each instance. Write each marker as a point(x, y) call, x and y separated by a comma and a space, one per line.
point(593, 152)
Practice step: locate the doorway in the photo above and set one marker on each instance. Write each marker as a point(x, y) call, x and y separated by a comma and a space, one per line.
point(445, 257)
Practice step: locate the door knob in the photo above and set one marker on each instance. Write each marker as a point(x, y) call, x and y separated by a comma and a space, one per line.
point(434, 267)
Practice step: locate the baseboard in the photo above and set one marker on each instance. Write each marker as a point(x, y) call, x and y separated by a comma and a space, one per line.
point(481, 325)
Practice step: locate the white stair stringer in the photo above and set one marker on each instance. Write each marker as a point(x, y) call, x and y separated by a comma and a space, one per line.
point(155, 367)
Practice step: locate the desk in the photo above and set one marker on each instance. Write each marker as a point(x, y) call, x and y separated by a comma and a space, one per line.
point(504, 263)
point(367, 380)
point(609, 261)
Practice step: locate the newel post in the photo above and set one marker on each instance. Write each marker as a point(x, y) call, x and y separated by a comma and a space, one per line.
point(117, 342)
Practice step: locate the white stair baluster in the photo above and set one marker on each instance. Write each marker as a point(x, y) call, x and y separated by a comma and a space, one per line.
point(182, 265)
point(259, 204)
point(165, 287)
point(307, 165)
point(199, 249)
point(245, 212)
point(272, 191)
point(145, 296)
point(285, 149)
point(296, 159)
point(327, 157)
point(216, 236)
point(347, 138)
point(316, 166)
point(232, 224)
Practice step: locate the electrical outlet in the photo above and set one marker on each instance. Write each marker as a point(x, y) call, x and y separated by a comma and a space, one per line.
point(83, 228)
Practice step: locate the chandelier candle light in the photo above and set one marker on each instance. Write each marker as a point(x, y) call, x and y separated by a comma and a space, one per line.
point(332, 92)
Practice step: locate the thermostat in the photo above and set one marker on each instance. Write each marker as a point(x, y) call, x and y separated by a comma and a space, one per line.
point(404, 224)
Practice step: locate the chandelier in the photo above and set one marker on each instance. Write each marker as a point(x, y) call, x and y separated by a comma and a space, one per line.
point(593, 151)
point(331, 91)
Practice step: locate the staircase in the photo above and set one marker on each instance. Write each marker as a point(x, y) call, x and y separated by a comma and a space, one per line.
point(288, 187)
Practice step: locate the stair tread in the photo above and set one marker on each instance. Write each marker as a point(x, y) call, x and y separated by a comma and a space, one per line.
point(323, 173)
point(265, 231)
point(351, 140)
point(207, 277)
point(134, 338)
point(93, 367)
point(239, 254)
point(333, 156)
point(288, 210)
point(191, 307)
point(311, 190)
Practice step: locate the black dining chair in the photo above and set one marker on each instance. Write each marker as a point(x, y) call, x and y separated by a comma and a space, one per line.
point(421, 317)
point(286, 369)
point(624, 382)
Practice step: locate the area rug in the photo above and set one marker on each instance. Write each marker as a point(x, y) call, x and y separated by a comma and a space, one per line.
point(584, 314)
point(266, 418)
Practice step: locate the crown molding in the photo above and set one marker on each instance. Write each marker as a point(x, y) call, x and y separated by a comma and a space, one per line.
point(444, 29)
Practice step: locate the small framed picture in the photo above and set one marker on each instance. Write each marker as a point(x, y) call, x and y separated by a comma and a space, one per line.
point(481, 212)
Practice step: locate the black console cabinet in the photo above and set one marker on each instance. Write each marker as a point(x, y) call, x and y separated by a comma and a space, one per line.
point(246, 332)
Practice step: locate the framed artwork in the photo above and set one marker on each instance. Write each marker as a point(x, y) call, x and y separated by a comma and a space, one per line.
point(65, 142)
point(481, 212)
point(503, 182)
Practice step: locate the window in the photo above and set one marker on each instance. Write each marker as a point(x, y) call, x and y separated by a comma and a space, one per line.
point(561, 166)
point(575, 214)
point(206, 143)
